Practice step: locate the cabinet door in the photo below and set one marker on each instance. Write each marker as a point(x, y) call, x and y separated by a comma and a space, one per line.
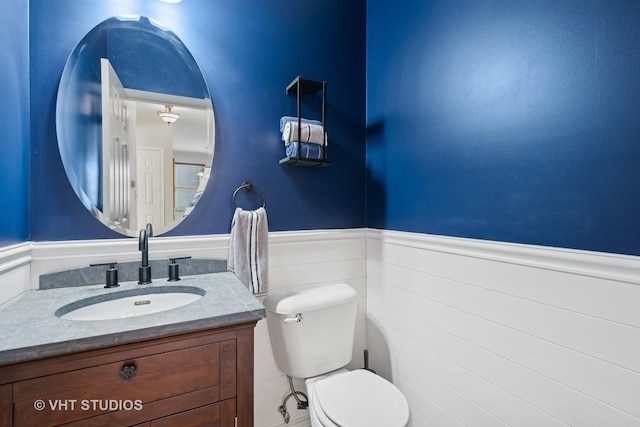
point(6, 411)
point(216, 415)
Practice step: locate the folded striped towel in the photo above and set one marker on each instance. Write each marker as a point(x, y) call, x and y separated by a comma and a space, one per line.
point(309, 133)
point(286, 119)
point(307, 151)
point(248, 249)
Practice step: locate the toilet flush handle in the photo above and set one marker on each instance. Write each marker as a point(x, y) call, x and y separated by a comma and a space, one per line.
point(297, 319)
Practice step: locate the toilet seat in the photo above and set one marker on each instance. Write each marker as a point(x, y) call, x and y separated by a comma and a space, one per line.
point(359, 398)
point(316, 415)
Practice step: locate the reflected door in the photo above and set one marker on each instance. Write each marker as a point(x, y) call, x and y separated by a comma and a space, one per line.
point(150, 185)
point(116, 165)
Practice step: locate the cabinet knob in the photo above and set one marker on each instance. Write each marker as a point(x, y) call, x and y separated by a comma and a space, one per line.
point(128, 372)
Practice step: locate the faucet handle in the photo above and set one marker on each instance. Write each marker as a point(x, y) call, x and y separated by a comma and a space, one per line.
point(174, 274)
point(111, 276)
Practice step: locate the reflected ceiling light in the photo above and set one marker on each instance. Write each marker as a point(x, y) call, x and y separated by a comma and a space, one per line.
point(167, 115)
point(170, 1)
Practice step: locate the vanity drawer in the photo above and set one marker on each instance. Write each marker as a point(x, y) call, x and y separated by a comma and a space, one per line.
point(160, 409)
point(216, 415)
point(125, 385)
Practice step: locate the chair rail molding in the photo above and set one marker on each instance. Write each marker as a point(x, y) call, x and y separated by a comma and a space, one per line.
point(621, 268)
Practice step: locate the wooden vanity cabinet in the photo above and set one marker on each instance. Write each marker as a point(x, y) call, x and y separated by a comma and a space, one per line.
point(202, 378)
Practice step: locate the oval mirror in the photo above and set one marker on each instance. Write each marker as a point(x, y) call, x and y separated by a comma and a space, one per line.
point(135, 125)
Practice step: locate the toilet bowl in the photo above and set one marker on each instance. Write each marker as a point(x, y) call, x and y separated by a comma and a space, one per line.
point(355, 399)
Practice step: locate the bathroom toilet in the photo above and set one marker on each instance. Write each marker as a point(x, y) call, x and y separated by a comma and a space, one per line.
point(312, 336)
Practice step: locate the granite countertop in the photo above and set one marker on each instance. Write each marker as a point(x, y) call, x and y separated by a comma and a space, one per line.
point(30, 329)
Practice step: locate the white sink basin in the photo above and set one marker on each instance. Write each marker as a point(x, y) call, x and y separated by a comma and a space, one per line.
point(130, 303)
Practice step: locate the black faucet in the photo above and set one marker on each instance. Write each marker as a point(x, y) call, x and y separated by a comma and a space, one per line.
point(143, 246)
point(174, 271)
point(112, 274)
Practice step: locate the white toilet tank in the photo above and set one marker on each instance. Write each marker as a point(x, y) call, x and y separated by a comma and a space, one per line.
point(312, 331)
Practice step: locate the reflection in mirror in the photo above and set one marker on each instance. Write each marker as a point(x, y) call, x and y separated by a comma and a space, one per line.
point(129, 162)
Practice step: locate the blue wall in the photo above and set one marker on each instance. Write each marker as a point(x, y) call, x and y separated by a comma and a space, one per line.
point(506, 120)
point(500, 120)
point(248, 52)
point(14, 123)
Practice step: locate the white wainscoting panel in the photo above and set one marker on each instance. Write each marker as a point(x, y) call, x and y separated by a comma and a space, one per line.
point(15, 267)
point(493, 334)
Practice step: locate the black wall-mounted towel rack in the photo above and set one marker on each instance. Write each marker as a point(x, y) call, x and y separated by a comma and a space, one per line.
point(245, 187)
point(298, 87)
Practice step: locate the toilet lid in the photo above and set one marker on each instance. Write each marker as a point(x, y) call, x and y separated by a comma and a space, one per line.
point(362, 399)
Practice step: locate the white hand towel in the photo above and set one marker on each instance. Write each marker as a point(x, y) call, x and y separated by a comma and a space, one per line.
point(248, 249)
point(309, 133)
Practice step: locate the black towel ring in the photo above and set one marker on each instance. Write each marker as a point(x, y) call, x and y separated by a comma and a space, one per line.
point(247, 186)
